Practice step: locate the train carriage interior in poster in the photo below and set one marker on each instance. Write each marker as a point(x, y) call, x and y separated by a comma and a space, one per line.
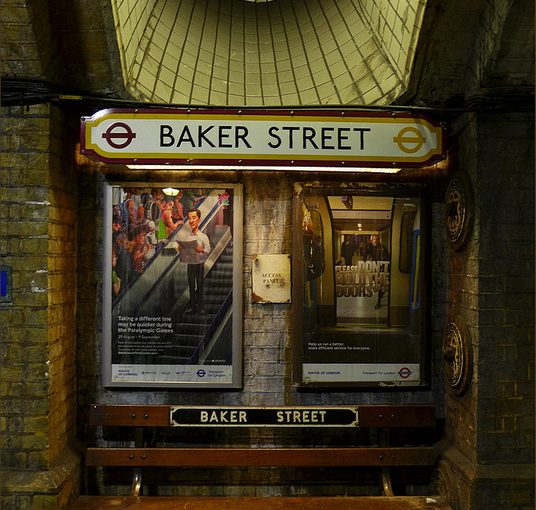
point(362, 282)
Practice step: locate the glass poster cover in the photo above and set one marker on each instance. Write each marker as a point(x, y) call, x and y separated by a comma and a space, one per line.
point(173, 290)
point(359, 314)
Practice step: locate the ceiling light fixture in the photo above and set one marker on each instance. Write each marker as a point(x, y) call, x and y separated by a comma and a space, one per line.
point(268, 168)
point(171, 192)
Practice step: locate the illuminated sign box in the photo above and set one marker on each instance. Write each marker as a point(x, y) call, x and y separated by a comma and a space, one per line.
point(172, 291)
point(360, 306)
point(264, 138)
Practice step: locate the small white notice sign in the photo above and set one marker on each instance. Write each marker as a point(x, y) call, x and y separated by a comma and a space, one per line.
point(271, 278)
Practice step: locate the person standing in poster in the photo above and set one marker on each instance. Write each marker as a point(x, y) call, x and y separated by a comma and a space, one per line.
point(194, 250)
point(377, 253)
point(347, 250)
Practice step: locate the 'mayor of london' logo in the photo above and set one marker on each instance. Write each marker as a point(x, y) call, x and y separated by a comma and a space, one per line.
point(265, 138)
point(264, 416)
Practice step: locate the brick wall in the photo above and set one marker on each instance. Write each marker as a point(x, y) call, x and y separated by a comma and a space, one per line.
point(62, 233)
point(38, 196)
point(38, 199)
point(490, 429)
point(24, 215)
point(491, 293)
point(506, 298)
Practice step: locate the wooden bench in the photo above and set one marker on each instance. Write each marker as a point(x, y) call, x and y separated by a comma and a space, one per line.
point(146, 457)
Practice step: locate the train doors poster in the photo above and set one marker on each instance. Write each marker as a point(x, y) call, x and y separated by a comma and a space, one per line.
point(173, 287)
point(359, 286)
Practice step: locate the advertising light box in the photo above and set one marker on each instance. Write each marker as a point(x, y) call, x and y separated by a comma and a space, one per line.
point(359, 286)
point(173, 291)
point(262, 138)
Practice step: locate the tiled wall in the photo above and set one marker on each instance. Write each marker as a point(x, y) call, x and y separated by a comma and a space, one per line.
point(396, 25)
point(278, 53)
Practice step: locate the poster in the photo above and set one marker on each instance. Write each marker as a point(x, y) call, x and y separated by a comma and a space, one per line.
point(172, 299)
point(359, 311)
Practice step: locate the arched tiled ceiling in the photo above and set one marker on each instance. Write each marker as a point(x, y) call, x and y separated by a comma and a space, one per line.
point(278, 53)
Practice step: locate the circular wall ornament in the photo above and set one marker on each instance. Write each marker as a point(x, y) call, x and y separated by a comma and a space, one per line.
point(457, 358)
point(459, 209)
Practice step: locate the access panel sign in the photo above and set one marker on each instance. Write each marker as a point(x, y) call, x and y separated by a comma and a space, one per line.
point(262, 138)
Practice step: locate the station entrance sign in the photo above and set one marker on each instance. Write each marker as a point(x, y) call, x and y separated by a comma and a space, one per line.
point(262, 138)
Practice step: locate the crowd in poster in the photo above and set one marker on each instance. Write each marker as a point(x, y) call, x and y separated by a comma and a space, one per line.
point(168, 246)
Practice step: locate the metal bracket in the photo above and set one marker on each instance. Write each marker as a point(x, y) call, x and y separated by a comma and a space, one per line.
point(386, 484)
point(136, 483)
point(135, 488)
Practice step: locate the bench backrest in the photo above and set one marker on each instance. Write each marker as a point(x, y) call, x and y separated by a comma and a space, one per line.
point(365, 416)
point(368, 416)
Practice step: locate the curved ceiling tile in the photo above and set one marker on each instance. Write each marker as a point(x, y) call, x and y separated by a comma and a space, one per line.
point(267, 53)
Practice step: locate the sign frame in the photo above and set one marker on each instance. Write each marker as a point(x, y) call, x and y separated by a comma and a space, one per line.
point(265, 416)
point(259, 138)
point(144, 321)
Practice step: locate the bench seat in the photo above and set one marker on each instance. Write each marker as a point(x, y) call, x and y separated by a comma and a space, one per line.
point(261, 503)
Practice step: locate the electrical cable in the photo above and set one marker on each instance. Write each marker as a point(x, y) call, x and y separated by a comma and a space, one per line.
point(16, 91)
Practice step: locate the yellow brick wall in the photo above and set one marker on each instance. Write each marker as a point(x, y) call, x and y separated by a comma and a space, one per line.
point(24, 323)
point(38, 200)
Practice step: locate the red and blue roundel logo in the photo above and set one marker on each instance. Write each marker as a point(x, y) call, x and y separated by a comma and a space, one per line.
point(404, 372)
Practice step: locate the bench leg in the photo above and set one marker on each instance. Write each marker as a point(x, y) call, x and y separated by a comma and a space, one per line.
point(386, 482)
point(136, 483)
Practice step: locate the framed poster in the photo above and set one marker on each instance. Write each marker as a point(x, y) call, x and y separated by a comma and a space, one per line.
point(359, 286)
point(173, 285)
